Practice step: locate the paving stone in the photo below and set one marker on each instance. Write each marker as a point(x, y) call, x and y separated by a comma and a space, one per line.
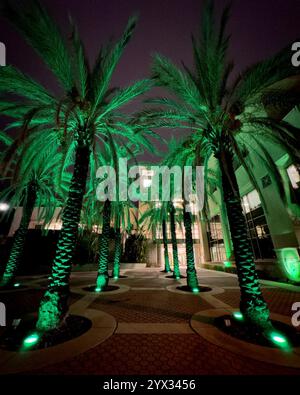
point(158, 353)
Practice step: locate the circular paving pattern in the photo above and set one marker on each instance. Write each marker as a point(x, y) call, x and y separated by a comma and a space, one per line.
point(103, 326)
point(203, 323)
point(110, 289)
point(200, 289)
point(13, 338)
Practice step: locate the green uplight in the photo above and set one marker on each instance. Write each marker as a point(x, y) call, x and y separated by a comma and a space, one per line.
point(279, 339)
point(177, 278)
point(227, 263)
point(98, 289)
point(17, 284)
point(238, 315)
point(290, 261)
point(195, 290)
point(116, 278)
point(31, 339)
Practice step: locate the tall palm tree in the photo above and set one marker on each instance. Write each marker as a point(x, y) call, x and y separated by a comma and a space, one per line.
point(80, 117)
point(228, 123)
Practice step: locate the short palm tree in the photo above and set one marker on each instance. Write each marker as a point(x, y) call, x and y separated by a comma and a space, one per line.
point(228, 122)
point(173, 219)
point(109, 211)
point(123, 215)
point(81, 117)
point(34, 182)
point(182, 154)
point(155, 217)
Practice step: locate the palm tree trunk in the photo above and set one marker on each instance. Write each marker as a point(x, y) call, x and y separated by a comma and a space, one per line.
point(165, 241)
point(53, 305)
point(192, 281)
point(103, 278)
point(118, 252)
point(252, 303)
point(174, 242)
point(17, 249)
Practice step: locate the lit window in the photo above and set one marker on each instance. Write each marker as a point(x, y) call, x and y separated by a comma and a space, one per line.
point(294, 176)
point(251, 201)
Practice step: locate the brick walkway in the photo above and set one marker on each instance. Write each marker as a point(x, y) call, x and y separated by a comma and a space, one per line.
point(160, 353)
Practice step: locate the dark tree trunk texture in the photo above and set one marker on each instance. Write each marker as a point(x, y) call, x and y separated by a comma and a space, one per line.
point(192, 280)
point(18, 246)
point(165, 242)
point(53, 307)
point(252, 303)
point(118, 253)
point(103, 278)
point(174, 241)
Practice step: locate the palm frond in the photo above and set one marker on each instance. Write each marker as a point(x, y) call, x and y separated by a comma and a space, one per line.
point(42, 33)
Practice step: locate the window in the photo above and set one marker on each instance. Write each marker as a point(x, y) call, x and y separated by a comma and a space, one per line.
point(251, 201)
point(257, 227)
point(215, 239)
point(294, 176)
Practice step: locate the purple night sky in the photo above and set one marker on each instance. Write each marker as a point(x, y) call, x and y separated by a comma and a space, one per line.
point(258, 28)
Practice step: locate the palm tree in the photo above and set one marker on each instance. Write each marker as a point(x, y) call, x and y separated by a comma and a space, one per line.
point(33, 183)
point(103, 278)
point(123, 215)
point(118, 250)
point(81, 118)
point(183, 154)
point(165, 242)
point(172, 213)
point(228, 123)
point(154, 217)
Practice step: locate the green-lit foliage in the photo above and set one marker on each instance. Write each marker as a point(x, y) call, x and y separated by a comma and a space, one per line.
point(82, 118)
point(228, 123)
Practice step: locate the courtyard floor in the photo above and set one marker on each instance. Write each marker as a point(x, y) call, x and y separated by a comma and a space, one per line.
point(147, 328)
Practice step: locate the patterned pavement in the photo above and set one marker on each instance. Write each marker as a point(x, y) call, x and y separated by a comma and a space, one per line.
point(174, 352)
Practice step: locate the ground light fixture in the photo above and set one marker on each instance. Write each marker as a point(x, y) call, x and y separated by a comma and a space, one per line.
point(279, 339)
point(290, 262)
point(227, 263)
point(98, 289)
point(238, 315)
point(17, 285)
point(195, 290)
point(30, 340)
